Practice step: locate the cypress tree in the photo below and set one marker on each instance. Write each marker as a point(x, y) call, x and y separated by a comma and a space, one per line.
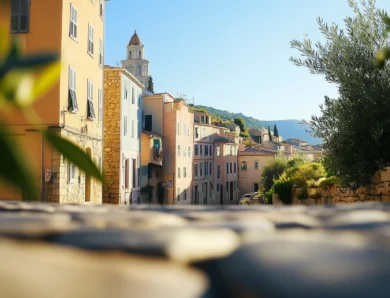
point(269, 133)
point(276, 132)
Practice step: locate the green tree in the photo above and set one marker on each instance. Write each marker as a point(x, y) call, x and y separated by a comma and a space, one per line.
point(273, 170)
point(269, 133)
point(150, 87)
point(355, 126)
point(276, 132)
point(241, 123)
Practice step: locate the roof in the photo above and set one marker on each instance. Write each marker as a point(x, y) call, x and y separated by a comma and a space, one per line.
point(151, 133)
point(124, 71)
point(257, 151)
point(220, 139)
point(135, 40)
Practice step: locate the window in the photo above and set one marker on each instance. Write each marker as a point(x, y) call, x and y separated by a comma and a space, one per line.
point(189, 151)
point(218, 151)
point(101, 8)
point(184, 172)
point(211, 150)
point(235, 167)
point(227, 186)
point(148, 122)
point(206, 150)
point(132, 96)
point(132, 128)
point(72, 98)
point(100, 52)
point(231, 168)
point(90, 108)
point(243, 166)
point(196, 132)
point(201, 169)
point(200, 150)
point(100, 105)
point(125, 90)
point(178, 173)
point(196, 149)
point(234, 185)
point(139, 54)
point(206, 168)
point(256, 165)
point(184, 129)
point(127, 169)
point(184, 151)
point(231, 150)
point(185, 194)
point(178, 150)
point(210, 167)
point(217, 186)
point(71, 173)
point(227, 168)
point(73, 22)
point(218, 171)
point(178, 194)
point(135, 171)
point(90, 39)
point(189, 131)
point(130, 55)
point(125, 125)
point(20, 16)
point(196, 170)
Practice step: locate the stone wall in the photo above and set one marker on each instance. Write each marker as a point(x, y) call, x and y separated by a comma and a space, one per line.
point(112, 96)
point(378, 190)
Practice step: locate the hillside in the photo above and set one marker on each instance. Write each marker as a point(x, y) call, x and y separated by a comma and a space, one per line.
point(287, 128)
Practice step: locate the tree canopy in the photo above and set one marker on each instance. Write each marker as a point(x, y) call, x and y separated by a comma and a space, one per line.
point(355, 126)
point(276, 132)
point(150, 87)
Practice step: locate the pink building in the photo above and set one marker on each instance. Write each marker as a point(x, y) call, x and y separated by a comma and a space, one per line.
point(203, 182)
point(226, 171)
point(178, 151)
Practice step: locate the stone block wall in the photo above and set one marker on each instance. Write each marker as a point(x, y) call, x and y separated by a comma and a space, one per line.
point(112, 128)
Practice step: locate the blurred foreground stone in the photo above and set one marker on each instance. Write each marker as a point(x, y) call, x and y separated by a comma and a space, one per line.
point(49, 250)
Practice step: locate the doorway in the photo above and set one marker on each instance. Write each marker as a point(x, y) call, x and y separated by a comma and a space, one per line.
point(231, 190)
point(196, 194)
point(88, 181)
point(255, 187)
point(221, 193)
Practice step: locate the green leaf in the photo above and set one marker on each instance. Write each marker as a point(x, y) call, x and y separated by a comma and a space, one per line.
point(14, 61)
point(14, 168)
point(46, 79)
point(74, 154)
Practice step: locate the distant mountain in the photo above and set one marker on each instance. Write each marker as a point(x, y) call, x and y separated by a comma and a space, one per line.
point(287, 128)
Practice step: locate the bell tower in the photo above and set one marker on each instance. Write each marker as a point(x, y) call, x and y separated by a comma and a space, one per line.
point(135, 62)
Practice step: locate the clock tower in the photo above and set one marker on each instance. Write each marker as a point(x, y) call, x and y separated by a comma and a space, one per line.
point(136, 63)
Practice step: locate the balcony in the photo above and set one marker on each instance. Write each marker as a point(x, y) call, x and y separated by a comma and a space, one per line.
point(152, 150)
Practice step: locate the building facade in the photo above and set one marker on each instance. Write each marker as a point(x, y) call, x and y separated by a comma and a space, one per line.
point(178, 144)
point(122, 137)
point(135, 62)
point(251, 162)
point(73, 107)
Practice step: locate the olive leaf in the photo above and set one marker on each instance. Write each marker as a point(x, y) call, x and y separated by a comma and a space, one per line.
point(15, 169)
point(74, 154)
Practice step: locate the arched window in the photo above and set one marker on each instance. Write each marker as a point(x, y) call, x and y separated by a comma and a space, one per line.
point(130, 55)
point(139, 70)
point(243, 166)
point(140, 56)
point(144, 70)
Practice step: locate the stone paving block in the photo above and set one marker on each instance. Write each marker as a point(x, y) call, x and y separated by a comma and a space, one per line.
point(305, 264)
point(180, 244)
point(46, 271)
point(34, 224)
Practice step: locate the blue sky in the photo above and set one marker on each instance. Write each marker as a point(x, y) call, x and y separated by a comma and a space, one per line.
point(231, 55)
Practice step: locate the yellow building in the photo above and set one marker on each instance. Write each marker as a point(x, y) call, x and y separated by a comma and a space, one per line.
point(74, 107)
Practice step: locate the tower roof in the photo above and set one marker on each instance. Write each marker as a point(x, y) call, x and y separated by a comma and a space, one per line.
point(135, 40)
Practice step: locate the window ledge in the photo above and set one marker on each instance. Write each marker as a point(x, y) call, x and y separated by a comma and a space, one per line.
point(74, 38)
point(90, 54)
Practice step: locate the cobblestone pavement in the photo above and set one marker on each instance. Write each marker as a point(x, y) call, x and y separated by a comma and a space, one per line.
point(49, 250)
